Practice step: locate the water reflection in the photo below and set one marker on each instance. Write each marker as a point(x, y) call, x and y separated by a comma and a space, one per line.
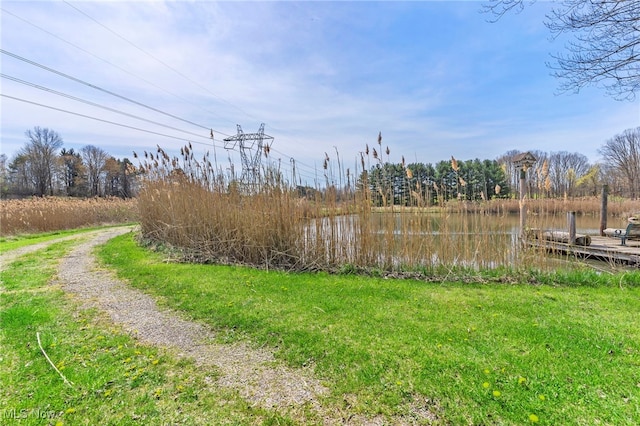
point(419, 240)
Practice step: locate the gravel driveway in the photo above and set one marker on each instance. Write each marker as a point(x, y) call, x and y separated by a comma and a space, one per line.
point(254, 373)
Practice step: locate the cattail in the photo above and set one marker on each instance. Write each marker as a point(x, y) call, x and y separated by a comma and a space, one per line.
point(366, 151)
point(454, 164)
point(409, 174)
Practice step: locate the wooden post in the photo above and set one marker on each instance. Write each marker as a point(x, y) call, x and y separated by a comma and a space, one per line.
point(523, 162)
point(523, 210)
point(603, 209)
point(571, 222)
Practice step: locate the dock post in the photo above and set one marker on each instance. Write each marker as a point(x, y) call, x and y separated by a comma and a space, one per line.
point(603, 209)
point(571, 221)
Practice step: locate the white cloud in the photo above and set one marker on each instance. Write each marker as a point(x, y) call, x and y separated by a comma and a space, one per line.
point(434, 78)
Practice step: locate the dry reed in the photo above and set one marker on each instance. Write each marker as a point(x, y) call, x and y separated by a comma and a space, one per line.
point(212, 217)
point(548, 206)
point(36, 214)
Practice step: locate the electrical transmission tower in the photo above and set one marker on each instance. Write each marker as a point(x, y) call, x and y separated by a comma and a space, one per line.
point(250, 146)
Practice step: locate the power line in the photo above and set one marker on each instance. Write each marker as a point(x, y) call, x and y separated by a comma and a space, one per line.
point(93, 86)
point(111, 63)
point(156, 59)
point(311, 168)
point(55, 92)
point(281, 165)
point(100, 119)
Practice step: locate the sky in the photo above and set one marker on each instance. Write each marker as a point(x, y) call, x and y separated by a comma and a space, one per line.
point(435, 78)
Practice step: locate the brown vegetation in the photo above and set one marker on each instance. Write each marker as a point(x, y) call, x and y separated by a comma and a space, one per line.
point(186, 204)
point(621, 207)
point(54, 213)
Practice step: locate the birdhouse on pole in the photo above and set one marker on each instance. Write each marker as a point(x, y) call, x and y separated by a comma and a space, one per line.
point(523, 162)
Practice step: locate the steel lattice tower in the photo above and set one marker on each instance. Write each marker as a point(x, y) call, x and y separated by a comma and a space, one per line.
point(250, 146)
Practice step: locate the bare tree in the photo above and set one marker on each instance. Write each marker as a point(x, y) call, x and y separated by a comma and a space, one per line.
point(565, 169)
point(622, 153)
point(555, 174)
point(112, 178)
point(605, 44)
point(119, 178)
point(40, 156)
point(94, 160)
point(509, 168)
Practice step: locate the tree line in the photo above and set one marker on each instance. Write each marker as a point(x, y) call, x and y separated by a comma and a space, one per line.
point(428, 184)
point(43, 167)
point(558, 174)
point(570, 174)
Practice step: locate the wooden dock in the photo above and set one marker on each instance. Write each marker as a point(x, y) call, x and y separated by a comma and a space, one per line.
point(607, 249)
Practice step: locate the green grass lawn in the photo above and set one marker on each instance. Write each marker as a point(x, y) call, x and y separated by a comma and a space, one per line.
point(114, 380)
point(468, 353)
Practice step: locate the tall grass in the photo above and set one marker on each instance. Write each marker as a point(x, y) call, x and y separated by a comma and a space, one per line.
point(54, 213)
point(548, 206)
point(212, 216)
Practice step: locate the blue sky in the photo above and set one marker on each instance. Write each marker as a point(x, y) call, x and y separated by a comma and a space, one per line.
point(435, 78)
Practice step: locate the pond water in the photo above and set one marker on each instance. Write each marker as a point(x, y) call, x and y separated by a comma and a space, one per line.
point(415, 240)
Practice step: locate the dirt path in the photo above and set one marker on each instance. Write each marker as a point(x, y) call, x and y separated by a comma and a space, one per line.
point(254, 373)
point(11, 255)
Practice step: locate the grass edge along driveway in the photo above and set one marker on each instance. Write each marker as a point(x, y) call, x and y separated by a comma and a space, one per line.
point(113, 379)
point(470, 354)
